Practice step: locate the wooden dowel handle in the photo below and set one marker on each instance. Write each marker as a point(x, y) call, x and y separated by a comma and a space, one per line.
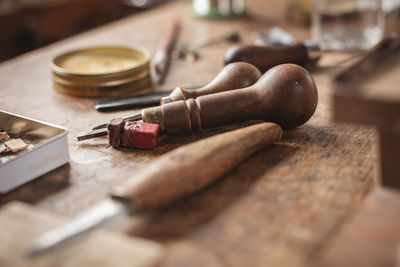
point(286, 95)
point(192, 167)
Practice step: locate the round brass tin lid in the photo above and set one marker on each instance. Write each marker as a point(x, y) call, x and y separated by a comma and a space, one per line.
point(101, 71)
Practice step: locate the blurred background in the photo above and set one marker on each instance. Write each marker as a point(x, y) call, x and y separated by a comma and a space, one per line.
point(29, 24)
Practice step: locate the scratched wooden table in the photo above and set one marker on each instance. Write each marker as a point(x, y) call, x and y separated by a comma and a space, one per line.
point(278, 208)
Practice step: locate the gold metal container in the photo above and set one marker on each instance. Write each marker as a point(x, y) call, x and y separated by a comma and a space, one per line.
point(102, 71)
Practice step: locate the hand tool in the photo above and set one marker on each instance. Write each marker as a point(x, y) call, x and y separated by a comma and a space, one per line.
point(174, 175)
point(278, 47)
point(266, 57)
point(272, 48)
point(286, 95)
point(232, 76)
point(162, 57)
point(191, 52)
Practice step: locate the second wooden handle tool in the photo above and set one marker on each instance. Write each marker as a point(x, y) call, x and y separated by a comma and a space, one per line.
point(174, 175)
point(286, 95)
point(192, 167)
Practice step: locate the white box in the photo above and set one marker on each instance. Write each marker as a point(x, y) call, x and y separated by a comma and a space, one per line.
point(50, 150)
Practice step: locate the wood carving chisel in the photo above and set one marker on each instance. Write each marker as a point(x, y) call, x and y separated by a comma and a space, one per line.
point(173, 176)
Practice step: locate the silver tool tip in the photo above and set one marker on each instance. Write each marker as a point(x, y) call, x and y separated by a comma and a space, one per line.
point(96, 216)
point(92, 134)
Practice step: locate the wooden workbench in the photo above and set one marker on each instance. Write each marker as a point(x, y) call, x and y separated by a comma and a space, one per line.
point(278, 208)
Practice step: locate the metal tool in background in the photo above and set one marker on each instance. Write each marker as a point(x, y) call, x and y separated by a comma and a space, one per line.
point(191, 52)
point(231, 77)
point(275, 47)
point(189, 168)
point(162, 57)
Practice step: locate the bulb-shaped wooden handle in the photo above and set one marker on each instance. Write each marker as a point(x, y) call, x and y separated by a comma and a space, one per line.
point(286, 95)
point(232, 76)
point(192, 167)
point(265, 57)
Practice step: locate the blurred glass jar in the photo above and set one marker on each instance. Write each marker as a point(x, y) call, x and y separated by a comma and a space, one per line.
point(347, 24)
point(219, 8)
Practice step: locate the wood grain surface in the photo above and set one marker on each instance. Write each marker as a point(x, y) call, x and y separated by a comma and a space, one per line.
point(367, 92)
point(192, 167)
point(371, 237)
point(21, 224)
point(274, 209)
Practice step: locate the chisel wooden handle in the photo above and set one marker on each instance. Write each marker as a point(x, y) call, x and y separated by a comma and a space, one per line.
point(192, 167)
point(232, 76)
point(265, 57)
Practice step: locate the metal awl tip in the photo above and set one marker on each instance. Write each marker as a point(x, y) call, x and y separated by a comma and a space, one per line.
point(98, 215)
point(92, 134)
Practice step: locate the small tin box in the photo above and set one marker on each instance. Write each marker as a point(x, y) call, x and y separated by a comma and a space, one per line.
point(49, 150)
point(102, 71)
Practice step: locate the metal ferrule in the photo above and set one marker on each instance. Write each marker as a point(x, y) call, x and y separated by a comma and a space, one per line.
point(165, 100)
point(313, 50)
point(154, 115)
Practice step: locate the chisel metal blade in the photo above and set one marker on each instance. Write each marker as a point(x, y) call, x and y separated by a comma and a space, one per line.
point(103, 212)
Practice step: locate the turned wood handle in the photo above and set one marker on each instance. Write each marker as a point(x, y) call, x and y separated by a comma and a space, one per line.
point(192, 167)
point(286, 95)
point(266, 57)
point(232, 76)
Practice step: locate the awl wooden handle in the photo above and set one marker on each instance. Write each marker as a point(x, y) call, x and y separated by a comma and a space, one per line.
point(192, 167)
point(286, 95)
